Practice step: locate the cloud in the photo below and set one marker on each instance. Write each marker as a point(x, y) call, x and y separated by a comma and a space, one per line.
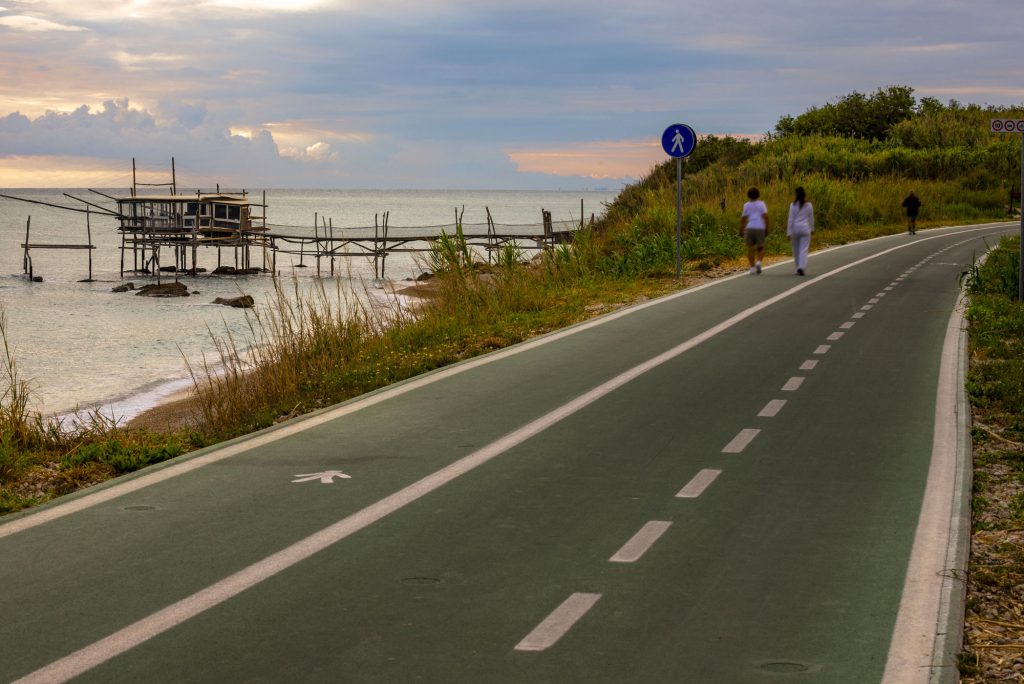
point(605, 160)
point(319, 152)
point(21, 22)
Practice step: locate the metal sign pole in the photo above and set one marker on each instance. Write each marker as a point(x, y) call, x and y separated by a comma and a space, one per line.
point(1011, 126)
point(1020, 272)
point(678, 141)
point(679, 217)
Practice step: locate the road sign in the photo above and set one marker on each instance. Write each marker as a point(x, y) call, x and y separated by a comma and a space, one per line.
point(678, 140)
point(1006, 125)
point(1015, 126)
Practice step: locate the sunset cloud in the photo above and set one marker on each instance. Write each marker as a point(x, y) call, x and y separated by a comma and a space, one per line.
point(598, 160)
point(35, 24)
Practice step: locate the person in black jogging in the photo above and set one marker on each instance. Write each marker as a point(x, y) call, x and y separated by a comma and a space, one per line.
point(913, 205)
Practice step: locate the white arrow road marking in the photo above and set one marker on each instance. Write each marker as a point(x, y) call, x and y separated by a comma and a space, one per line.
point(327, 477)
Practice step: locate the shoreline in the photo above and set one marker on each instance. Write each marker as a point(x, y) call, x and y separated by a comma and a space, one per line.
point(176, 411)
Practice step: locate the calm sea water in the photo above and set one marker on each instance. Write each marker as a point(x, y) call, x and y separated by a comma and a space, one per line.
point(80, 345)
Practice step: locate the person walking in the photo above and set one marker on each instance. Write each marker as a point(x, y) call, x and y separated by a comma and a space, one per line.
point(799, 227)
point(913, 205)
point(754, 228)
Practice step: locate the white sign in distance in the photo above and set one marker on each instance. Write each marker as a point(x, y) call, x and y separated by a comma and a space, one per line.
point(1006, 125)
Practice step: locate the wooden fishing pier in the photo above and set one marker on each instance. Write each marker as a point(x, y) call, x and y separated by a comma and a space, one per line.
point(162, 232)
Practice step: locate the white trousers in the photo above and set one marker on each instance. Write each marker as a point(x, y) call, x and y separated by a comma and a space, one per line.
point(801, 246)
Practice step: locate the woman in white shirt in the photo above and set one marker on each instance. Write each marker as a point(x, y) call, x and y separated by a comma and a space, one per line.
point(799, 228)
point(754, 228)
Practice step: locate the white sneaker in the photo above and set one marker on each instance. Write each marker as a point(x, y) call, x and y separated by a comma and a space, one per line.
point(753, 271)
point(757, 266)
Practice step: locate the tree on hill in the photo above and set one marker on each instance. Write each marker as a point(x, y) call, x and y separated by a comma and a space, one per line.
point(868, 117)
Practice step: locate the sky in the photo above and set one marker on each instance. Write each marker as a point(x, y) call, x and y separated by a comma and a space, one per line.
point(452, 94)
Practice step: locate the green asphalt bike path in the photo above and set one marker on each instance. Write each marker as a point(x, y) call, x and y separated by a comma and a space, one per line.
point(788, 566)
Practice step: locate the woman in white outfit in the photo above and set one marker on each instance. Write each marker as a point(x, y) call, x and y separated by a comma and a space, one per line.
point(799, 229)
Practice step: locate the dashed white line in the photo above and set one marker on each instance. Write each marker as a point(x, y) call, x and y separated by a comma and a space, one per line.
point(873, 300)
point(554, 627)
point(888, 289)
point(835, 336)
point(793, 384)
point(740, 441)
point(809, 364)
point(772, 408)
point(823, 349)
point(867, 307)
point(641, 542)
point(859, 314)
point(698, 484)
point(848, 324)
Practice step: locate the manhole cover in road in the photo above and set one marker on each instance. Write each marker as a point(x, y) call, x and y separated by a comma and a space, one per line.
point(140, 508)
point(783, 666)
point(421, 580)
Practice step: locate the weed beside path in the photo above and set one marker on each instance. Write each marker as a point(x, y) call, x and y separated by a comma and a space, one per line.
point(994, 622)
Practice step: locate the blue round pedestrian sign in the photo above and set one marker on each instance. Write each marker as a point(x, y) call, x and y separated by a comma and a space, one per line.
point(678, 140)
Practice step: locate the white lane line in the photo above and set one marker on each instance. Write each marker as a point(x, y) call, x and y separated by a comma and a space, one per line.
point(822, 348)
point(873, 300)
point(867, 307)
point(740, 441)
point(859, 314)
point(887, 289)
point(809, 364)
point(880, 294)
point(834, 336)
point(640, 542)
point(793, 384)
point(848, 324)
point(554, 627)
point(892, 285)
point(139, 632)
point(698, 484)
point(772, 408)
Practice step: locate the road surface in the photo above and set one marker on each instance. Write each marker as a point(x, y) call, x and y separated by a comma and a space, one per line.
point(728, 485)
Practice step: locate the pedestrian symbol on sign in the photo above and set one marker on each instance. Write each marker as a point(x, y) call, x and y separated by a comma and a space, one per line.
point(677, 143)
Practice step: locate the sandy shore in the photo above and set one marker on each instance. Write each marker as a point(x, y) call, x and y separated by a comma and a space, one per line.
point(177, 411)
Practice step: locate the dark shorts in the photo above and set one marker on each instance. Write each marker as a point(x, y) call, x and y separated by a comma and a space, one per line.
point(754, 237)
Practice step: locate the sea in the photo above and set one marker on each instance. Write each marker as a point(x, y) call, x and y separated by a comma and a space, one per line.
point(81, 347)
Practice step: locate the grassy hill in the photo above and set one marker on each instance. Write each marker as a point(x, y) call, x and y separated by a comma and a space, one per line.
point(857, 158)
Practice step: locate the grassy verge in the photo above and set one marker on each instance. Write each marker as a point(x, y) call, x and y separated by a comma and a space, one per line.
point(994, 635)
point(41, 458)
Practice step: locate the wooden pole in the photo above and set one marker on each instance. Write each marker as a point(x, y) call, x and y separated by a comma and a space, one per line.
point(88, 241)
point(316, 235)
point(25, 258)
point(174, 179)
point(384, 244)
point(135, 183)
